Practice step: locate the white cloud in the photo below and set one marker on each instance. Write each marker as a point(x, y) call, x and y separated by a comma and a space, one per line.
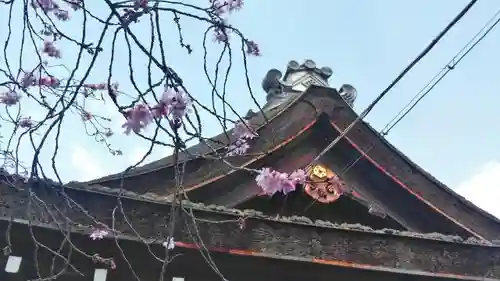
point(86, 165)
point(483, 188)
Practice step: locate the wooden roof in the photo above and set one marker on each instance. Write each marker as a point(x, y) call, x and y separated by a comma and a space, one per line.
point(56, 210)
point(281, 140)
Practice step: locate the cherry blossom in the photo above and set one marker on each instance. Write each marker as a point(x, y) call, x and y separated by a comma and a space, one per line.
point(137, 119)
point(10, 98)
point(221, 35)
point(98, 234)
point(25, 122)
point(173, 103)
point(141, 4)
point(223, 6)
point(50, 49)
point(169, 244)
point(239, 147)
point(99, 86)
point(271, 181)
point(243, 132)
point(48, 81)
point(252, 48)
point(29, 79)
point(46, 5)
point(86, 116)
point(62, 14)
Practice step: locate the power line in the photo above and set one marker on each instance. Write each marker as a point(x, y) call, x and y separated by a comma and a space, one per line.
point(398, 78)
point(440, 75)
point(435, 80)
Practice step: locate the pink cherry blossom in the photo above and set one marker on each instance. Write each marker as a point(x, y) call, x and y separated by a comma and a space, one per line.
point(50, 49)
point(273, 181)
point(221, 35)
point(46, 5)
point(98, 234)
point(234, 5)
point(29, 79)
point(86, 116)
point(25, 122)
point(173, 103)
point(137, 119)
point(48, 81)
point(99, 86)
point(239, 147)
point(62, 14)
point(10, 98)
point(244, 130)
point(223, 6)
point(169, 244)
point(252, 48)
point(299, 176)
point(141, 4)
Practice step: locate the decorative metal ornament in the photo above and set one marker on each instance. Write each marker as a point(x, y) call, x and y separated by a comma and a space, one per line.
point(324, 186)
point(320, 172)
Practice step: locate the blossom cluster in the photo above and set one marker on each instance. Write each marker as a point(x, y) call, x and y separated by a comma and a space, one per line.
point(226, 6)
point(51, 6)
point(98, 234)
point(221, 32)
point(271, 181)
point(243, 132)
point(174, 105)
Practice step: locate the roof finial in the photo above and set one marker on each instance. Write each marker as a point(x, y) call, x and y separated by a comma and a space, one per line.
point(297, 78)
point(348, 93)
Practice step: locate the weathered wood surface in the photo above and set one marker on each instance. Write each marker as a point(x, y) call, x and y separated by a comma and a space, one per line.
point(160, 180)
point(221, 229)
point(317, 101)
point(418, 180)
point(134, 262)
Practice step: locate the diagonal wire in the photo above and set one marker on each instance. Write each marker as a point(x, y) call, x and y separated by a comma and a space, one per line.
point(398, 78)
point(440, 75)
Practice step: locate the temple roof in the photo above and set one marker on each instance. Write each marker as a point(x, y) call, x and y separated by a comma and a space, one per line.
point(293, 127)
point(288, 124)
point(222, 140)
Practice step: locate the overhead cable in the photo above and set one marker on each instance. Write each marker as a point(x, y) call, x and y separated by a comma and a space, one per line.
point(398, 78)
point(492, 23)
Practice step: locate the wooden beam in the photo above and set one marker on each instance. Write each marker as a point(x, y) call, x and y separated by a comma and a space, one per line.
point(234, 232)
point(134, 261)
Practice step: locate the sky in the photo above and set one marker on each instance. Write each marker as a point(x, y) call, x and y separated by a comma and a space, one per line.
point(452, 133)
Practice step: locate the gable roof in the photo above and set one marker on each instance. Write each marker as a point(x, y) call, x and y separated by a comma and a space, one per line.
point(290, 120)
point(201, 149)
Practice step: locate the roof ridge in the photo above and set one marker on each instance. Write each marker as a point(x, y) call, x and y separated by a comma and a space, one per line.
point(145, 168)
point(250, 213)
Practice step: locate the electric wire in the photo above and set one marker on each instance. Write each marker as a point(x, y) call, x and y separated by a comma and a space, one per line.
point(434, 81)
point(398, 78)
point(440, 75)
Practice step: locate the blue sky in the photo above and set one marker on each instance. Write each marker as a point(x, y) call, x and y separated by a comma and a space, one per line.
point(453, 132)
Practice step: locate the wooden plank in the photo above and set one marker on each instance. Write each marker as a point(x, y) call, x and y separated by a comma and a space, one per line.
point(135, 262)
point(232, 230)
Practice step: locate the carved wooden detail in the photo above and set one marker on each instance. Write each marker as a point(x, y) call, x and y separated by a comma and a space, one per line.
point(323, 185)
point(301, 238)
point(426, 186)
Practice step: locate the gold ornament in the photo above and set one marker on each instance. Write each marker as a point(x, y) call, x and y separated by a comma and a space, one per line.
point(320, 172)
